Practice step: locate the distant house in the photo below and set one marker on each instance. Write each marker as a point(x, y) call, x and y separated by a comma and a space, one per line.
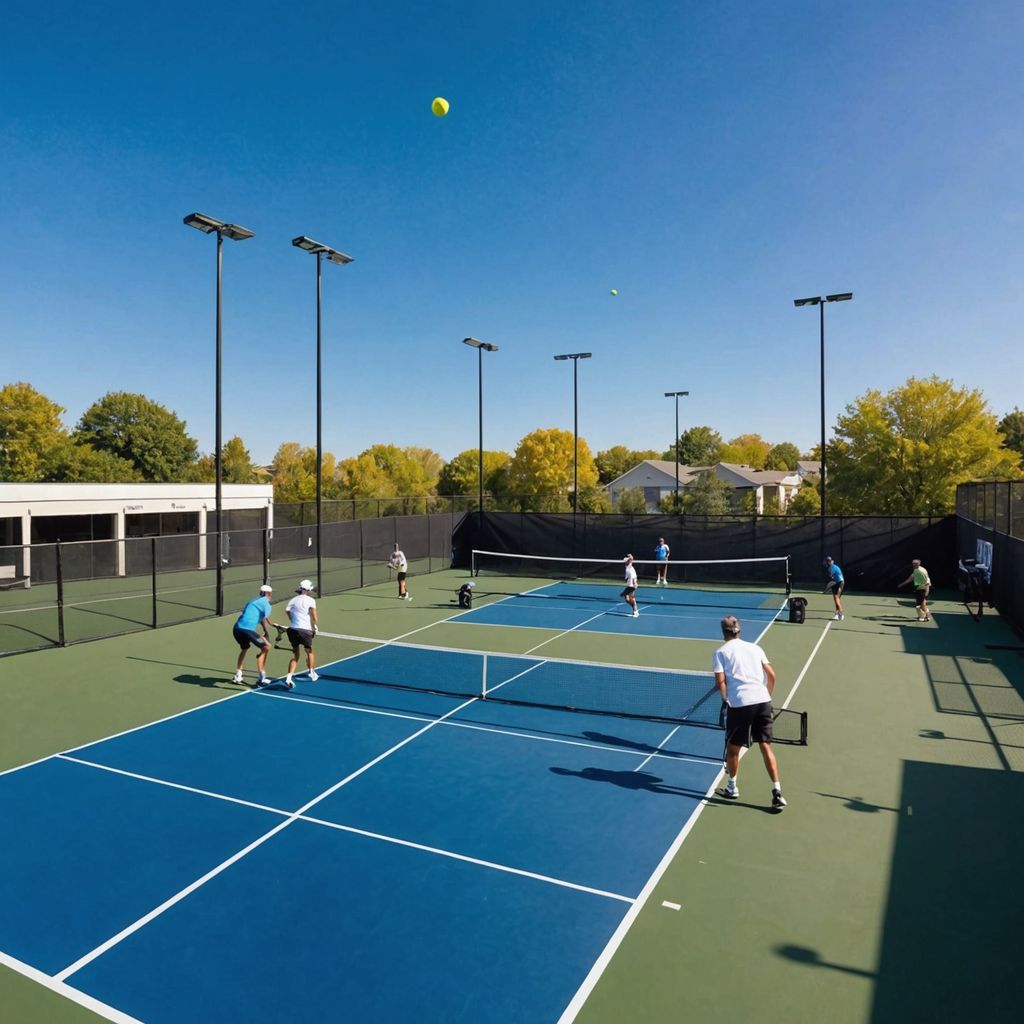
point(808, 467)
point(657, 479)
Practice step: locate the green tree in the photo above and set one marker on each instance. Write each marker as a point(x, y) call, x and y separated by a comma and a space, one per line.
point(462, 474)
point(1011, 426)
point(80, 464)
point(806, 502)
point(698, 446)
point(32, 436)
point(631, 502)
point(618, 459)
point(431, 462)
point(142, 431)
point(236, 466)
point(708, 496)
point(293, 472)
point(746, 450)
point(903, 453)
point(541, 471)
point(672, 506)
point(782, 456)
point(594, 499)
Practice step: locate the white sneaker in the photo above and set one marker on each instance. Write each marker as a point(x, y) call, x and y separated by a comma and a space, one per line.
point(238, 678)
point(836, 617)
point(636, 615)
point(408, 597)
point(731, 792)
point(289, 682)
point(263, 680)
point(313, 676)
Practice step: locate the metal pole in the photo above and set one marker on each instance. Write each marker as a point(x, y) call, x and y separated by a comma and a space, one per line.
point(319, 430)
point(821, 307)
point(575, 442)
point(480, 364)
point(676, 446)
point(217, 460)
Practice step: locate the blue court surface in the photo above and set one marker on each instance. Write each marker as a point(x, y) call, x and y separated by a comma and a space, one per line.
point(342, 851)
point(599, 608)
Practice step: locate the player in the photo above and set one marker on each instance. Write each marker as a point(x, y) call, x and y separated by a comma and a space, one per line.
point(630, 589)
point(746, 680)
point(835, 584)
point(922, 585)
point(661, 553)
point(255, 614)
point(400, 564)
point(302, 628)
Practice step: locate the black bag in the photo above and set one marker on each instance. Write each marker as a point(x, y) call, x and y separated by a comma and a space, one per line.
point(465, 596)
point(797, 609)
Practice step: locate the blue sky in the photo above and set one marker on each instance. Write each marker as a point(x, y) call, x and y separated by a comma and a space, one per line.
point(710, 161)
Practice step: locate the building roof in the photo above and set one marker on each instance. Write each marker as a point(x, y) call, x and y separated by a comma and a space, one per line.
point(808, 467)
point(660, 466)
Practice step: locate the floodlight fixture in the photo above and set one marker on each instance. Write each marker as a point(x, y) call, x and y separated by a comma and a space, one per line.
point(814, 300)
point(319, 249)
point(840, 297)
point(208, 225)
point(475, 343)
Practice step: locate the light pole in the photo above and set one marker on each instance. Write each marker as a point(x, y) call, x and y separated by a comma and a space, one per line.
point(481, 347)
point(320, 251)
point(819, 301)
point(208, 225)
point(677, 395)
point(575, 357)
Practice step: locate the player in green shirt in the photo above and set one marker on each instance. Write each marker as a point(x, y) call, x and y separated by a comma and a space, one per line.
point(922, 584)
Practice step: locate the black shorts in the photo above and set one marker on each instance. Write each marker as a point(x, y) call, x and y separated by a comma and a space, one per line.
point(920, 596)
point(246, 638)
point(629, 592)
point(749, 724)
point(401, 575)
point(300, 638)
point(837, 588)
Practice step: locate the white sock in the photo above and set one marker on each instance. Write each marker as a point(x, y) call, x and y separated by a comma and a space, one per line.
point(777, 786)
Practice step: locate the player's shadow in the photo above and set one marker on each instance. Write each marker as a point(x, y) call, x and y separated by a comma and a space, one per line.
point(193, 679)
point(636, 781)
point(855, 803)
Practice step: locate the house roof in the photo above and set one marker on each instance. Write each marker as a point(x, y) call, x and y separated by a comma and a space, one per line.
point(664, 467)
point(808, 466)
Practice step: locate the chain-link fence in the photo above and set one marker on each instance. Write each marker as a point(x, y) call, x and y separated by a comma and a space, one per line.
point(996, 504)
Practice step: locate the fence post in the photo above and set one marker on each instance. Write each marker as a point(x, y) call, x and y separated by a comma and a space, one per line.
point(152, 566)
point(60, 597)
point(360, 553)
point(266, 558)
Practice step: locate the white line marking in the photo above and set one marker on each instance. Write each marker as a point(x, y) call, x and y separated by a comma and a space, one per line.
point(671, 906)
point(73, 994)
point(471, 860)
point(771, 621)
point(659, 748)
point(224, 865)
point(807, 664)
point(577, 1001)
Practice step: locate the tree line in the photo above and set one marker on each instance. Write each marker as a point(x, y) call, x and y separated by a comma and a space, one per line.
point(902, 452)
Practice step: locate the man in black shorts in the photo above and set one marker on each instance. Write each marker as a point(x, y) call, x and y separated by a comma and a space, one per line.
point(746, 680)
point(302, 628)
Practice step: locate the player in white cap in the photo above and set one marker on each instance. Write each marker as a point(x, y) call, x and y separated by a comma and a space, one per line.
point(302, 628)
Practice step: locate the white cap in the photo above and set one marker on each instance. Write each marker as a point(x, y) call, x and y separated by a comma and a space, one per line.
point(266, 589)
point(305, 585)
point(628, 558)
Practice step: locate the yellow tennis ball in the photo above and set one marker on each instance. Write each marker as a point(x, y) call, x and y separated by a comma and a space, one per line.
point(615, 291)
point(439, 106)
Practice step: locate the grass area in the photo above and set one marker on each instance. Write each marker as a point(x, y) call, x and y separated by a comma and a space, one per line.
point(877, 896)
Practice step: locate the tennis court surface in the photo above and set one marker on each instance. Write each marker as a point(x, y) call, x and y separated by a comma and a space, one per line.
point(412, 837)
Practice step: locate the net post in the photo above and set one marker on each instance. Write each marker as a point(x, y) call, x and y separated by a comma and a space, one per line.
point(789, 579)
point(152, 559)
point(60, 596)
point(483, 680)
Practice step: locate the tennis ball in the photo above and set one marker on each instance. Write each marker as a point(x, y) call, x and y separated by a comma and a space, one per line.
point(439, 106)
point(615, 291)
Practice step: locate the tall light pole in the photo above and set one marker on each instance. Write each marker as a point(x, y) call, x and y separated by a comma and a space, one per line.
point(677, 395)
point(320, 251)
point(819, 301)
point(575, 357)
point(481, 347)
point(208, 225)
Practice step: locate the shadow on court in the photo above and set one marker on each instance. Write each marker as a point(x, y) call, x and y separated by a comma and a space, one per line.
point(630, 780)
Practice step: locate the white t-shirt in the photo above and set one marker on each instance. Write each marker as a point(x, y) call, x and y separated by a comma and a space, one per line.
point(742, 662)
point(298, 609)
point(398, 561)
point(630, 575)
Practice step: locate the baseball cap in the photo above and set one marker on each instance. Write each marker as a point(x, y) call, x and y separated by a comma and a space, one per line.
point(266, 589)
point(305, 585)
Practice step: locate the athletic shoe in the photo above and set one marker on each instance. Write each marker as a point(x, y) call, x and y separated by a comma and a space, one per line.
point(778, 800)
point(408, 597)
point(636, 615)
point(238, 678)
point(313, 676)
point(730, 793)
point(841, 616)
point(263, 680)
point(836, 617)
point(289, 682)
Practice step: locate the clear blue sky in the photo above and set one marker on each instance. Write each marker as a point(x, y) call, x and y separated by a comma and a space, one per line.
point(711, 161)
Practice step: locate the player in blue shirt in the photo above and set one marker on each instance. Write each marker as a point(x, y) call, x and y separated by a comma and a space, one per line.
point(835, 584)
point(255, 614)
point(661, 553)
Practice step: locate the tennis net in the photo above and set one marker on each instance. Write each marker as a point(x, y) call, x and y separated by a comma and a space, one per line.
point(667, 695)
point(732, 582)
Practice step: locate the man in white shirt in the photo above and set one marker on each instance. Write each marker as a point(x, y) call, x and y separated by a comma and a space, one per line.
point(400, 564)
point(746, 680)
point(303, 626)
point(630, 589)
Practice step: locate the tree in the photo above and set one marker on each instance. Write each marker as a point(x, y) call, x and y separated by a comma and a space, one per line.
point(1011, 426)
point(462, 474)
point(903, 453)
point(709, 496)
point(631, 502)
point(746, 450)
point(697, 446)
point(32, 436)
point(135, 428)
point(618, 459)
point(541, 472)
point(79, 464)
point(672, 505)
point(236, 466)
point(294, 473)
point(806, 502)
point(594, 499)
point(782, 456)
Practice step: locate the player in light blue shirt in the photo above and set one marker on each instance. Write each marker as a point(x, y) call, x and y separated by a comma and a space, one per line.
point(836, 583)
point(255, 615)
point(661, 553)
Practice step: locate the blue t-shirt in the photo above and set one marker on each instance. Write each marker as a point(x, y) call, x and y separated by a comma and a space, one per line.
point(254, 613)
point(661, 552)
point(835, 574)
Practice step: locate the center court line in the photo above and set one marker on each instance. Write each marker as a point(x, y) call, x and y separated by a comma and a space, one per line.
point(594, 975)
point(359, 831)
point(224, 865)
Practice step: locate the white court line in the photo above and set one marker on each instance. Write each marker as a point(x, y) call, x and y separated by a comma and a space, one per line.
point(72, 994)
point(771, 621)
point(660, 746)
point(592, 978)
point(224, 865)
